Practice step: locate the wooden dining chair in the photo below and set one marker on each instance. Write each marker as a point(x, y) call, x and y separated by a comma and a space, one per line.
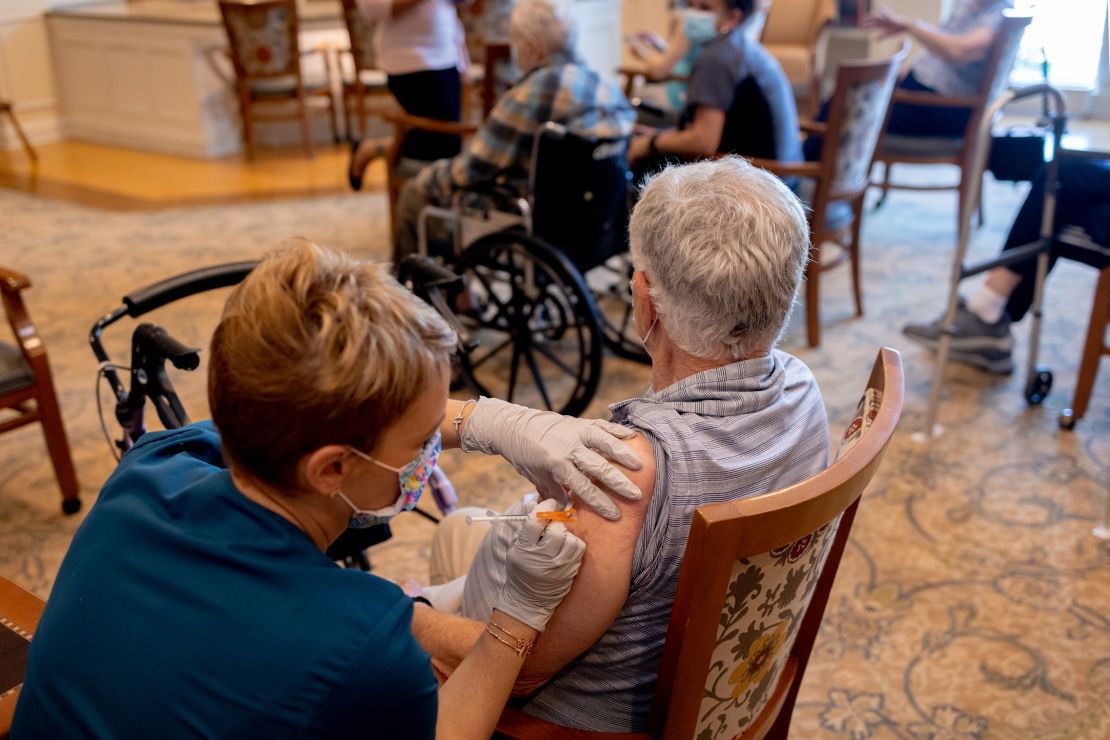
point(266, 55)
point(931, 150)
point(20, 611)
point(752, 590)
point(838, 182)
point(6, 109)
point(366, 81)
point(1093, 350)
point(27, 387)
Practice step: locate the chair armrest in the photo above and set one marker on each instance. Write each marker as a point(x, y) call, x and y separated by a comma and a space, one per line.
point(788, 169)
point(813, 127)
point(11, 282)
point(517, 724)
point(919, 97)
point(405, 121)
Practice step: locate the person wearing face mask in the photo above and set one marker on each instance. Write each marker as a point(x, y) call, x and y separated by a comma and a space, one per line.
point(738, 98)
point(673, 57)
point(196, 598)
point(726, 416)
point(556, 86)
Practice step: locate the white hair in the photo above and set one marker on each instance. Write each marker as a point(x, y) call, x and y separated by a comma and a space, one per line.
point(548, 21)
point(724, 245)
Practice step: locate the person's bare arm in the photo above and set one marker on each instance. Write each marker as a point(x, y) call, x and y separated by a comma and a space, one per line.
point(700, 139)
point(598, 594)
point(970, 46)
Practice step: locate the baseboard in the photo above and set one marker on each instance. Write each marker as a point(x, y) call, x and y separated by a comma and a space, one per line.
point(41, 128)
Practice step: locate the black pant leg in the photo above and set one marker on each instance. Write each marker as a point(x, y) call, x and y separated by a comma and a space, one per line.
point(434, 94)
point(1081, 185)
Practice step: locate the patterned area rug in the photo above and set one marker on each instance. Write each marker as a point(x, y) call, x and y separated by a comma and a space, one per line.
point(972, 601)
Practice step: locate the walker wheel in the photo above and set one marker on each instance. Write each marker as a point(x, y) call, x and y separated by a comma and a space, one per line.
point(1038, 385)
point(1067, 420)
point(71, 505)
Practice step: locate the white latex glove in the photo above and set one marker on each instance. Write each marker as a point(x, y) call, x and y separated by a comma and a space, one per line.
point(540, 569)
point(555, 452)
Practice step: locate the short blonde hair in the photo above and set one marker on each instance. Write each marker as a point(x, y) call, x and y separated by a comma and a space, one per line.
point(315, 347)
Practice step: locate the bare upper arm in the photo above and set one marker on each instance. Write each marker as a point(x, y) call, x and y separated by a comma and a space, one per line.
point(708, 126)
point(602, 584)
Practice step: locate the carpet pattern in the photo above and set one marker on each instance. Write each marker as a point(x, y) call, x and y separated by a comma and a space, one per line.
point(972, 601)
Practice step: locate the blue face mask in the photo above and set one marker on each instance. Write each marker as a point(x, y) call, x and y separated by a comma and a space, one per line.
point(699, 26)
point(413, 478)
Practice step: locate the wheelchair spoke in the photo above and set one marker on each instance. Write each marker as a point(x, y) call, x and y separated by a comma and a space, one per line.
point(555, 360)
point(475, 364)
point(538, 376)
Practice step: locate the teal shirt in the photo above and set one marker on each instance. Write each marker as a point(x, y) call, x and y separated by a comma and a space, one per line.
point(184, 609)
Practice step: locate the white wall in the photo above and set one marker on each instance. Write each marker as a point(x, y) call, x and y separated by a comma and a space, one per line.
point(26, 76)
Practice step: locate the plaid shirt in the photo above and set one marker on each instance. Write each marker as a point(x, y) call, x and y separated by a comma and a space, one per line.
point(564, 91)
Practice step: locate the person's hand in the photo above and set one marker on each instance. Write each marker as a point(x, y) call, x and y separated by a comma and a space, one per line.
point(885, 21)
point(557, 453)
point(638, 148)
point(540, 569)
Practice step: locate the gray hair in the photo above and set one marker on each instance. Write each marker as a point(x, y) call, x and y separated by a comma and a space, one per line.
point(549, 21)
point(724, 245)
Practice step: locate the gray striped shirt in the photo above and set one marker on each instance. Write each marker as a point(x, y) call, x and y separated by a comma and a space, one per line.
point(740, 430)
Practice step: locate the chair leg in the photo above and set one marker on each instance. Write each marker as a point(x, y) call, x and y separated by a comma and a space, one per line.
point(854, 253)
point(56, 442)
point(979, 200)
point(887, 167)
point(333, 109)
point(1093, 347)
point(813, 294)
point(306, 130)
point(362, 127)
point(31, 153)
point(248, 125)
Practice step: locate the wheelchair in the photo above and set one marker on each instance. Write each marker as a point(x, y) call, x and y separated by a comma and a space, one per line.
point(549, 272)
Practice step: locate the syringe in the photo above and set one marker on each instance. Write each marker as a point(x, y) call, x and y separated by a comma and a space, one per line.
point(569, 514)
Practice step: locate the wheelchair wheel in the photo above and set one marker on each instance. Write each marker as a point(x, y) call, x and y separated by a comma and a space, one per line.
point(609, 284)
point(539, 340)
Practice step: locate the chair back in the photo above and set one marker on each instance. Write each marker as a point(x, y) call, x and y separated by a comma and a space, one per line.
point(755, 579)
point(579, 194)
point(361, 30)
point(263, 37)
point(1000, 60)
point(797, 22)
point(857, 115)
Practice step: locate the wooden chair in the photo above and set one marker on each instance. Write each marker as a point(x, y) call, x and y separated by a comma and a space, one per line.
point(791, 33)
point(6, 107)
point(857, 111)
point(27, 387)
point(266, 56)
point(1093, 349)
point(895, 149)
point(731, 668)
point(366, 80)
point(20, 611)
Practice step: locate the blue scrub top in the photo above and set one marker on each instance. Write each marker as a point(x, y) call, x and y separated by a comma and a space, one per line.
point(184, 609)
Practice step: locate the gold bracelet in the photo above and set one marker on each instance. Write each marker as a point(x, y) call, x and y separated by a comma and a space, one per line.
point(521, 647)
point(458, 420)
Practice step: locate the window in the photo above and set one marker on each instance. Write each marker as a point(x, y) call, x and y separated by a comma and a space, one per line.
point(1071, 33)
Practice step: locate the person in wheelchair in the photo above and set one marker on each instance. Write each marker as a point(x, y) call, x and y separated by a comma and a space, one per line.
point(718, 249)
point(738, 100)
point(982, 335)
point(556, 86)
point(197, 599)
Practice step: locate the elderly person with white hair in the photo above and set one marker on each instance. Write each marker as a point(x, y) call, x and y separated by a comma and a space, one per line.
point(719, 249)
point(556, 86)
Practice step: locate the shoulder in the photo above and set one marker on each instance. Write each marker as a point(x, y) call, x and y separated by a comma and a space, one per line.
point(598, 531)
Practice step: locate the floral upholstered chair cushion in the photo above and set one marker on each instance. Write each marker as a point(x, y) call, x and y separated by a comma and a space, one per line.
point(767, 598)
point(361, 31)
point(865, 111)
point(263, 38)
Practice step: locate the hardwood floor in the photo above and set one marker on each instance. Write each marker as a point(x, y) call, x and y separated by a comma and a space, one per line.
point(125, 179)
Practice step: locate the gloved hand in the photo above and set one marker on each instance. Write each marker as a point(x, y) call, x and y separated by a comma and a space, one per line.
point(540, 569)
point(555, 452)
